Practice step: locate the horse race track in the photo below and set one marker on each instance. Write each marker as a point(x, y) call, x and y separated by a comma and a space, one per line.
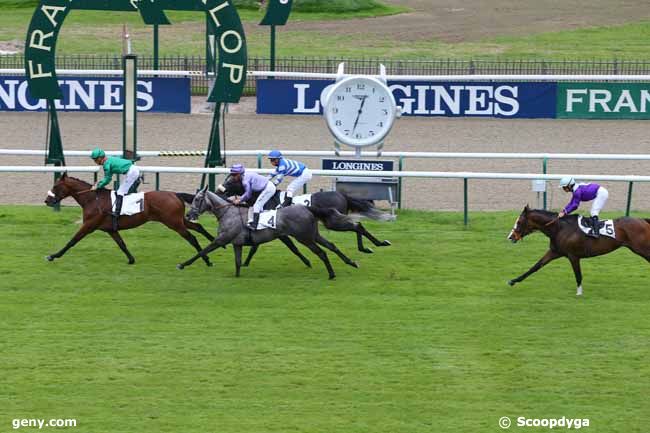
point(425, 337)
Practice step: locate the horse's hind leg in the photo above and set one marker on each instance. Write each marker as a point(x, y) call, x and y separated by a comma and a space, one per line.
point(287, 241)
point(330, 246)
point(120, 243)
point(361, 229)
point(218, 242)
point(321, 255)
point(199, 228)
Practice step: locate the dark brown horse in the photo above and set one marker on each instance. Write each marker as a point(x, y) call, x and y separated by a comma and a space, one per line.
point(161, 206)
point(568, 241)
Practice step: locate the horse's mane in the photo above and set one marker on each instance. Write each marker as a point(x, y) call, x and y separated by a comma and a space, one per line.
point(80, 181)
point(546, 213)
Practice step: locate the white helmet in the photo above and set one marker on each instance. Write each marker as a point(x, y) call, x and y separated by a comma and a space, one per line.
point(567, 181)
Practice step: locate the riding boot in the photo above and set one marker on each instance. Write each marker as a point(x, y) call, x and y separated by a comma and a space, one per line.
point(118, 210)
point(287, 201)
point(595, 227)
point(256, 219)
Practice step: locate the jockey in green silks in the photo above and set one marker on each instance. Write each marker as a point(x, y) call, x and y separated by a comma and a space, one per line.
point(114, 165)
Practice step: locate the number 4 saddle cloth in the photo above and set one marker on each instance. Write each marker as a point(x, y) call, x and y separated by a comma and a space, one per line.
point(268, 219)
point(606, 227)
point(131, 204)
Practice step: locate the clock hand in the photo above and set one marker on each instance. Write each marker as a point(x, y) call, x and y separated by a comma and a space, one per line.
point(356, 121)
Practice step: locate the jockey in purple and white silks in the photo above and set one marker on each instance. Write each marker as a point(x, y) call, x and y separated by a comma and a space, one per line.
point(288, 167)
point(585, 192)
point(252, 182)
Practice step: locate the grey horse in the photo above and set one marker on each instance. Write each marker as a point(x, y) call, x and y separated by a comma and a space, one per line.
point(300, 222)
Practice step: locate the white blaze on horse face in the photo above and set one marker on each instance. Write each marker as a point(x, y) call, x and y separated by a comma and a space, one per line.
point(512, 232)
point(51, 194)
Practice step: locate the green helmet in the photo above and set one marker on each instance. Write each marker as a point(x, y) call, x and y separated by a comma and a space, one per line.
point(97, 153)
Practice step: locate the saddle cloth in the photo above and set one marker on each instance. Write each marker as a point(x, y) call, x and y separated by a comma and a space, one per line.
point(131, 204)
point(268, 220)
point(606, 227)
point(304, 199)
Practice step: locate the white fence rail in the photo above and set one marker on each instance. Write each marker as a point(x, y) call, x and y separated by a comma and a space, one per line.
point(466, 176)
point(331, 153)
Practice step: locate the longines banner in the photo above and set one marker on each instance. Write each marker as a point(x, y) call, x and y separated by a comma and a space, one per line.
point(161, 95)
point(472, 99)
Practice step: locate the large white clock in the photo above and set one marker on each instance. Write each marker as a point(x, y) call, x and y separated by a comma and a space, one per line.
point(360, 111)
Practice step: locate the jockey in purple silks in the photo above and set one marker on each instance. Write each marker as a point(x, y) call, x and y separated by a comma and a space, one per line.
point(585, 192)
point(252, 182)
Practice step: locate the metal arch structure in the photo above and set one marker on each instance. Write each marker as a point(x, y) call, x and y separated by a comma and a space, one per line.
point(277, 14)
point(224, 27)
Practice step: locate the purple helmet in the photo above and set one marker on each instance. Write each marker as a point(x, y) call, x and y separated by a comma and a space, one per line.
point(237, 169)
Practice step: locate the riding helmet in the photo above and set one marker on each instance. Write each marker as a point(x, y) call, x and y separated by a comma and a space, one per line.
point(275, 154)
point(237, 169)
point(567, 181)
point(97, 153)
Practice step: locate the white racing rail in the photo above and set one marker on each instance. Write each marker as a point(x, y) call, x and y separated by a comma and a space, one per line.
point(327, 153)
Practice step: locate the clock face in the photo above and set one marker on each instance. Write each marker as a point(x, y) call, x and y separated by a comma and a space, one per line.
point(360, 111)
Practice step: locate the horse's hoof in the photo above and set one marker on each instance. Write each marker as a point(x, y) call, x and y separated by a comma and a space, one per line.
point(354, 265)
point(131, 262)
point(209, 264)
point(386, 244)
point(367, 251)
point(511, 283)
point(49, 258)
point(308, 264)
point(332, 277)
point(179, 267)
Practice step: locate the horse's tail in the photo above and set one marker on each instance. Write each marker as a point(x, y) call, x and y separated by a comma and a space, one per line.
point(367, 208)
point(185, 197)
point(330, 216)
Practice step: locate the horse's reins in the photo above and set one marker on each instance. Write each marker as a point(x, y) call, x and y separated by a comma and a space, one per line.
point(553, 221)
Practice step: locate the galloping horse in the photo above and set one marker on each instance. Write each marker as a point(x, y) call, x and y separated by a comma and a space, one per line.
point(568, 241)
point(326, 200)
point(300, 222)
point(161, 206)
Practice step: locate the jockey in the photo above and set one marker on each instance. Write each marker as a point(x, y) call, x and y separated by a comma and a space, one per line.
point(288, 167)
point(585, 192)
point(252, 182)
point(115, 165)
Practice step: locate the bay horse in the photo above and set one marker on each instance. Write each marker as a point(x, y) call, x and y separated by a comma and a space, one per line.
point(300, 222)
point(568, 241)
point(162, 206)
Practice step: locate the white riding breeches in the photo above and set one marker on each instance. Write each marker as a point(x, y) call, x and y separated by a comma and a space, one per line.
point(298, 182)
point(264, 196)
point(129, 179)
point(599, 202)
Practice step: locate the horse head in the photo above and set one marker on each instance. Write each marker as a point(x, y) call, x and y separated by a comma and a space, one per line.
point(522, 226)
point(65, 186)
point(199, 205)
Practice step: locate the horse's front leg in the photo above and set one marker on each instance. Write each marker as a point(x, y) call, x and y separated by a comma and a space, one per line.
point(120, 243)
point(220, 241)
point(548, 257)
point(575, 264)
point(88, 227)
point(251, 253)
point(238, 250)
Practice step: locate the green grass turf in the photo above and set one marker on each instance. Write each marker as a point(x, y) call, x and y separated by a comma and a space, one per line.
point(424, 337)
point(80, 35)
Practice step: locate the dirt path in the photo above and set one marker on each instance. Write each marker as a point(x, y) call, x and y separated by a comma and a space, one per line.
point(472, 20)
point(249, 131)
